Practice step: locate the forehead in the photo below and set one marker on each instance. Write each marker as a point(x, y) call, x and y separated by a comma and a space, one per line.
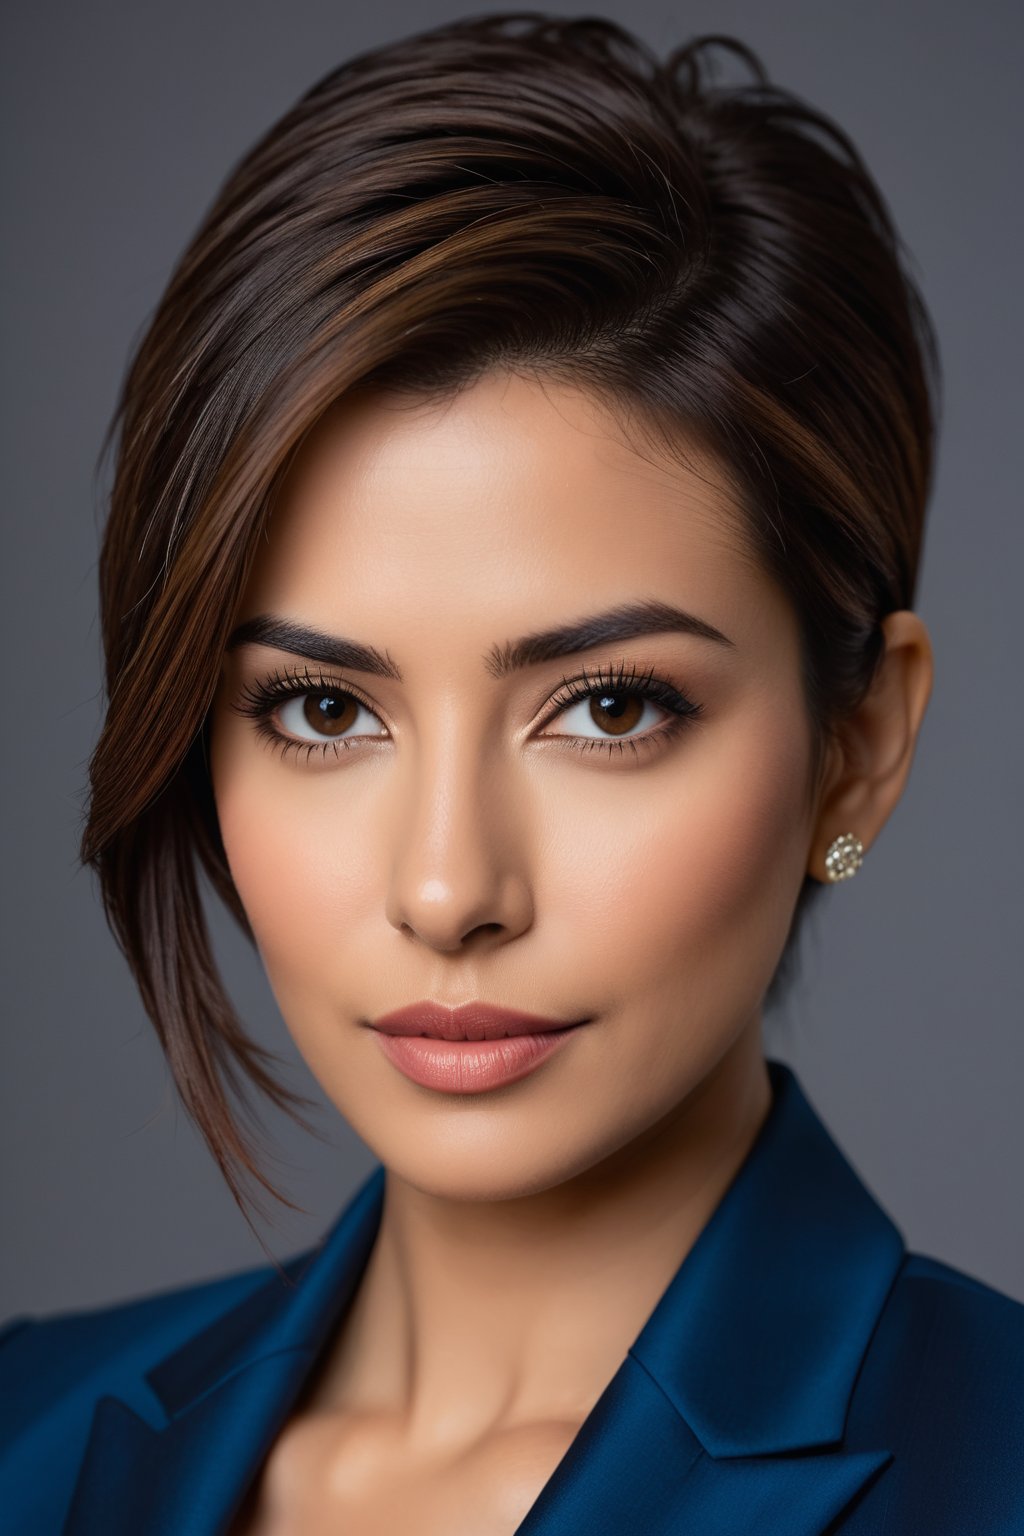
point(514, 495)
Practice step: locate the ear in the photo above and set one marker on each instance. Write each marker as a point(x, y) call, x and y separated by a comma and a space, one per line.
point(874, 748)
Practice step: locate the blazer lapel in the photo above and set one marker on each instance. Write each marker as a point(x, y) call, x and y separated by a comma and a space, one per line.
point(727, 1412)
point(637, 1469)
point(225, 1394)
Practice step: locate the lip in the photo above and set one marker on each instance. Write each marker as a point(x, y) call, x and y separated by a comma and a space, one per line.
point(469, 1049)
point(469, 1021)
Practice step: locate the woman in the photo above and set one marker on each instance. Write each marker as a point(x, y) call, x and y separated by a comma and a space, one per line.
point(507, 595)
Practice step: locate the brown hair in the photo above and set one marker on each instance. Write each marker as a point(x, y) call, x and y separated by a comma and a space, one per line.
point(716, 260)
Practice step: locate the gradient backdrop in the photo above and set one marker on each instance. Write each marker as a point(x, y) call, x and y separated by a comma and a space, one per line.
point(120, 120)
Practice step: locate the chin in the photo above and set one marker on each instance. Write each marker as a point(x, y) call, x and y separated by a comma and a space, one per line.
point(480, 1162)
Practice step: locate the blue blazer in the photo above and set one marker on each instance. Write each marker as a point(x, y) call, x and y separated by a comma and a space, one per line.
point(801, 1374)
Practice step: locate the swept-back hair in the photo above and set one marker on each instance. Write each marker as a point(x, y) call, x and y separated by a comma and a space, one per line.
point(544, 194)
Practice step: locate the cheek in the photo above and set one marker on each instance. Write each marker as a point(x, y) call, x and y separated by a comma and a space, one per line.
point(301, 864)
point(693, 890)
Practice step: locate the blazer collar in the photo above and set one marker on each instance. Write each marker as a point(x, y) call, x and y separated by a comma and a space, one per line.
point(780, 1292)
point(751, 1351)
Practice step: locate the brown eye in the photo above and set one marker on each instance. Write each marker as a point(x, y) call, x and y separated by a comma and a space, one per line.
point(620, 709)
point(605, 714)
point(330, 713)
point(323, 714)
point(617, 712)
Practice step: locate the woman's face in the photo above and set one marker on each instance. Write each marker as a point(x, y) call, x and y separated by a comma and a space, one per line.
point(450, 832)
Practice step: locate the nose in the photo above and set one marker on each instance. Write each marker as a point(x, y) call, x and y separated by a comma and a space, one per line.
point(460, 847)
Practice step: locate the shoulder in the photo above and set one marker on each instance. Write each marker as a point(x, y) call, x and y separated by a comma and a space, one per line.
point(53, 1369)
point(938, 1313)
point(942, 1385)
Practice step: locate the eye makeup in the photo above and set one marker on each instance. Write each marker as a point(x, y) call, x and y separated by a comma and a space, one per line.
point(607, 688)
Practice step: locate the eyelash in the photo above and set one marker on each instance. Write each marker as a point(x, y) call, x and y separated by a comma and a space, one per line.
point(259, 700)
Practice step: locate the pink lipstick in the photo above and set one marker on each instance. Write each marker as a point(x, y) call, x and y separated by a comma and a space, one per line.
point(471, 1048)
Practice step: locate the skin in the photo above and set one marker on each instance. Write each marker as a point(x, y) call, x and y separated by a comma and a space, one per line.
point(463, 849)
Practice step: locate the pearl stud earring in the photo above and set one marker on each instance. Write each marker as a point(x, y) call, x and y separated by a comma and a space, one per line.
point(844, 857)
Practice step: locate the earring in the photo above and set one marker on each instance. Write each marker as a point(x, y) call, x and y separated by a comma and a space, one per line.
point(844, 857)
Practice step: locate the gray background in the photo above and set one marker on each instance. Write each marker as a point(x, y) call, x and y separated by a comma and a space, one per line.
point(120, 121)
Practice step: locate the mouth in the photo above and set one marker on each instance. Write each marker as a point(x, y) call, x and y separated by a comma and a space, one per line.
point(469, 1021)
point(469, 1049)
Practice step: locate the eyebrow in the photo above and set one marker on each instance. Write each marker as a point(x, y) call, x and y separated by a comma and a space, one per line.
point(624, 622)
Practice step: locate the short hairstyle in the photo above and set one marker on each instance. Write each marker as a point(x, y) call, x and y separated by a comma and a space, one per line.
point(544, 194)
